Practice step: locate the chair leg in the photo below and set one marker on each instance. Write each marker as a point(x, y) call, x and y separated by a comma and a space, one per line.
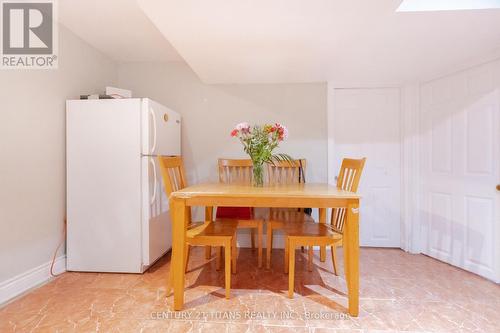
point(252, 236)
point(208, 252)
point(287, 255)
point(218, 258)
point(188, 253)
point(259, 243)
point(333, 248)
point(291, 267)
point(269, 244)
point(227, 267)
point(170, 283)
point(234, 253)
point(310, 258)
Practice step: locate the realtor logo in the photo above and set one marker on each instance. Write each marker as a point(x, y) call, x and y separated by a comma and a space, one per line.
point(29, 36)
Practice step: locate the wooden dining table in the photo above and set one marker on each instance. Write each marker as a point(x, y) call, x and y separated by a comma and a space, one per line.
point(309, 195)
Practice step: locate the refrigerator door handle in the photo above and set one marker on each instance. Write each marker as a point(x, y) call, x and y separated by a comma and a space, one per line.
point(153, 119)
point(152, 161)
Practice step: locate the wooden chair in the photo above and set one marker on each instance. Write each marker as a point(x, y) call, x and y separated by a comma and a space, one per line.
point(282, 173)
point(319, 234)
point(239, 171)
point(207, 233)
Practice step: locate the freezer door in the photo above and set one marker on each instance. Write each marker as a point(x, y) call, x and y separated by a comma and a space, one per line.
point(161, 129)
point(156, 223)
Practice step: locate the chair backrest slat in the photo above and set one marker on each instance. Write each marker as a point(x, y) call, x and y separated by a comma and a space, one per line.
point(172, 170)
point(235, 171)
point(350, 174)
point(173, 174)
point(286, 172)
point(348, 180)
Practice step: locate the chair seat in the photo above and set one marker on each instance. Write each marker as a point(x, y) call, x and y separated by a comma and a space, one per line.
point(195, 228)
point(216, 228)
point(309, 229)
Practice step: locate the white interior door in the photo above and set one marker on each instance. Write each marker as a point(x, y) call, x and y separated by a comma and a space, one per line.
point(366, 123)
point(460, 169)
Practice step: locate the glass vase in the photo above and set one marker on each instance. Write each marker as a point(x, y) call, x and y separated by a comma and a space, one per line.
point(258, 174)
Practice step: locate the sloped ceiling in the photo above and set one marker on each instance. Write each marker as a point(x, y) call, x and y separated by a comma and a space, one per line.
point(118, 28)
point(346, 42)
point(358, 42)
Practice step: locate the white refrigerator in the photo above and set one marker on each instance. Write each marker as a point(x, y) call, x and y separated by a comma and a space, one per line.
point(118, 217)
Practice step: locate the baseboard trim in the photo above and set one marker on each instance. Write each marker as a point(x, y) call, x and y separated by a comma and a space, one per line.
point(20, 284)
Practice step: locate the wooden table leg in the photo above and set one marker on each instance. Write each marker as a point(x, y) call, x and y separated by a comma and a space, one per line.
point(209, 211)
point(322, 219)
point(351, 256)
point(179, 211)
point(227, 268)
point(291, 267)
point(287, 255)
point(259, 245)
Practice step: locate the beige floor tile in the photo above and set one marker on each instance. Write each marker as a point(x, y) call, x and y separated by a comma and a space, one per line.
point(399, 292)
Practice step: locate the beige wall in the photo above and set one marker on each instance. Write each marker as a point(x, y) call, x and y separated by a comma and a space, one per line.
point(32, 134)
point(210, 111)
point(32, 150)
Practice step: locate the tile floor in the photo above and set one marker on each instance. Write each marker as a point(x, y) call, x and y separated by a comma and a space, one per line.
point(399, 292)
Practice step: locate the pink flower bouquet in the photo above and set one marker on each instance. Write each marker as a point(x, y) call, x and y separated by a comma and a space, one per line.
point(259, 143)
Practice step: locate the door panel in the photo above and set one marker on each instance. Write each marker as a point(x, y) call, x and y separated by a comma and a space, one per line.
point(460, 168)
point(479, 238)
point(366, 123)
point(440, 241)
point(479, 134)
point(441, 144)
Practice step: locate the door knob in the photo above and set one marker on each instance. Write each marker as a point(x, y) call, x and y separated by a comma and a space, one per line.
point(498, 187)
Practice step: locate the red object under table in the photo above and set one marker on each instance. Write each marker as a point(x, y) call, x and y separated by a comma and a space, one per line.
point(236, 213)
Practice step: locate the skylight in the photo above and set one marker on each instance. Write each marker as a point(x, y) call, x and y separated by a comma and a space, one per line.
point(437, 5)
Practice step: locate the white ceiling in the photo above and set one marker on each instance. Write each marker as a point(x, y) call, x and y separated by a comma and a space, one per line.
point(350, 42)
point(346, 42)
point(119, 28)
